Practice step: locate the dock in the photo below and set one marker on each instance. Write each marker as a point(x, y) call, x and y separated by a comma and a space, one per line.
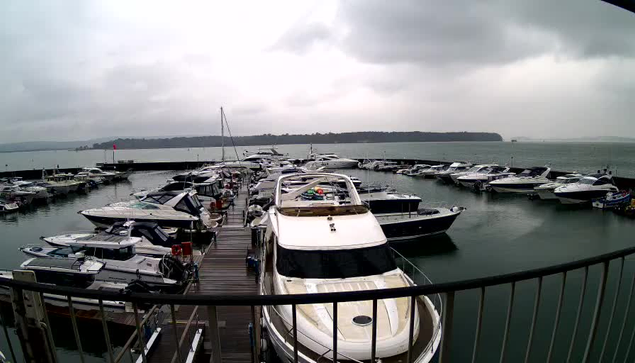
point(222, 270)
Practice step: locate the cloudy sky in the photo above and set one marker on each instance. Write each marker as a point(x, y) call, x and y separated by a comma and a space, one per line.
point(73, 70)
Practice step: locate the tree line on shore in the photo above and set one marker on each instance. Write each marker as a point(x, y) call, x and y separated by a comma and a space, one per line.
point(316, 138)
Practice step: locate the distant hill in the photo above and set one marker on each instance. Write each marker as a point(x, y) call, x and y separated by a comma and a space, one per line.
point(317, 138)
point(48, 145)
point(580, 139)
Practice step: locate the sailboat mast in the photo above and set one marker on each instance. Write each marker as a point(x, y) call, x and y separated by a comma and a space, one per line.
point(222, 134)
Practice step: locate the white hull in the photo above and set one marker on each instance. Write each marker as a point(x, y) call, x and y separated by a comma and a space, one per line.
point(333, 164)
point(546, 194)
point(502, 189)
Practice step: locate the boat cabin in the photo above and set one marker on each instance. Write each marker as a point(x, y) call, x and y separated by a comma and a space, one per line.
point(68, 271)
point(181, 201)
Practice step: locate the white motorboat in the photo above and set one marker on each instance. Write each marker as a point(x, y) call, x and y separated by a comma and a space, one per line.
point(122, 263)
point(474, 169)
point(525, 182)
point(15, 193)
point(62, 183)
point(97, 173)
point(148, 238)
point(432, 171)
point(484, 176)
point(545, 191)
point(590, 187)
point(455, 167)
point(70, 272)
point(389, 166)
point(8, 207)
point(168, 209)
point(41, 193)
point(262, 155)
point(416, 169)
point(322, 243)
point(331, 161)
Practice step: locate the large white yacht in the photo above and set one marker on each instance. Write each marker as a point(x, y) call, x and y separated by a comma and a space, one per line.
point(316, 243)
point(545, 191)
point(586, 189)
point(331, 161)
point(474, 169)
point(167, 208)
point(525, 182)
point(455, 167)
point(483, 176)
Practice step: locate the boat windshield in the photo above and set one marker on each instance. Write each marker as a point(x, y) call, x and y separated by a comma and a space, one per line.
point(141, 205)
point(335, 264)
point(119, 254)
point(588, 181)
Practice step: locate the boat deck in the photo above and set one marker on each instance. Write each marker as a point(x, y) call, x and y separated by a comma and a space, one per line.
point(222, 271)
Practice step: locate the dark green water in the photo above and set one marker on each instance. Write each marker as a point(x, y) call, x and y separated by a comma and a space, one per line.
point(496, 234)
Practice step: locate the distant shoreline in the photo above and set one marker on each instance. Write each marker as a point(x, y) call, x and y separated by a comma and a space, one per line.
point(300, 139)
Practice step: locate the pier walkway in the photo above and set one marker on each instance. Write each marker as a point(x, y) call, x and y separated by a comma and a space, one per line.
point(222, 271)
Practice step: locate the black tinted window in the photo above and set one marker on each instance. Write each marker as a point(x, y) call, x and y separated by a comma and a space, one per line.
point(335, 264)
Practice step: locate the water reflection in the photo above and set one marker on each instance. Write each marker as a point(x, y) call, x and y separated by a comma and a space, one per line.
point(426, 246)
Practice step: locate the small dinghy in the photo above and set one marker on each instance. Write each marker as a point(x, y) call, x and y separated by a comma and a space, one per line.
point(612, 200)
point(8, 207)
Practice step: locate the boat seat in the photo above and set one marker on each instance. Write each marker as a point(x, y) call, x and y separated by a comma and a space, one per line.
point(427, 211)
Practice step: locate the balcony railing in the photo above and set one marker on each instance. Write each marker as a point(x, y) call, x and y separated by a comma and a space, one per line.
point(596, 347)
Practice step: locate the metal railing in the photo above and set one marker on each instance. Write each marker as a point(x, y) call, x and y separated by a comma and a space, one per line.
point(595, 345)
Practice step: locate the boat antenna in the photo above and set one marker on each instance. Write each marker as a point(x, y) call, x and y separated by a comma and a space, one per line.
point(223, 116)
point(222, 134)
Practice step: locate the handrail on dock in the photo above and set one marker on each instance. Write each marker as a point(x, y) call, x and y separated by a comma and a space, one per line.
point(447, 289)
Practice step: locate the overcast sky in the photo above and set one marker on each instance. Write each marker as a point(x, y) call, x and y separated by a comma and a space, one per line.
point(73, 70)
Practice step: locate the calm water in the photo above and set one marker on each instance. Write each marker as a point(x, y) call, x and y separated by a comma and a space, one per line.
point(496, 234)
point(583, 157)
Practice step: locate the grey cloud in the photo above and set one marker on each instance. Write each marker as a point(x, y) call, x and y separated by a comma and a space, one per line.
point(300, 38)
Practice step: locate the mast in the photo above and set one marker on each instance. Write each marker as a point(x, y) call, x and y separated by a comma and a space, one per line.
point(222, 134)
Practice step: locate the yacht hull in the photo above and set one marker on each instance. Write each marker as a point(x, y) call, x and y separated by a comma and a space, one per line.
point(402, 227)
point(107, 221)
point(580, 197)
point(523, 188)
point(546, 194)
point(284, 349)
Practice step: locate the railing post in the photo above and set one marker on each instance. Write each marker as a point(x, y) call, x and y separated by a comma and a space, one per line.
point(142, 344)
point(577, 318)
point(510, 309)
point(335, 332)
point(373, 343)
point(617, 295)
point(214, 334)
point(177, 346)
point(534, 318)
point(479, 321)
point(104, 324)
point(597, 312)
point(448, 317)
point(413, 312)
point(78, 341)
point(556, 322)
point(295, 333)
point(626, 313)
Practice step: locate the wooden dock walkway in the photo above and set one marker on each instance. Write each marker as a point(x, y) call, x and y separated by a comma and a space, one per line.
point(223, 270)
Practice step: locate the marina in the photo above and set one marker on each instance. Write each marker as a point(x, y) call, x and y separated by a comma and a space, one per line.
point(516, 227)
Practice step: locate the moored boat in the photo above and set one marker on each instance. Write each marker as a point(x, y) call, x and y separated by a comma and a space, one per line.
point(345, 250)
